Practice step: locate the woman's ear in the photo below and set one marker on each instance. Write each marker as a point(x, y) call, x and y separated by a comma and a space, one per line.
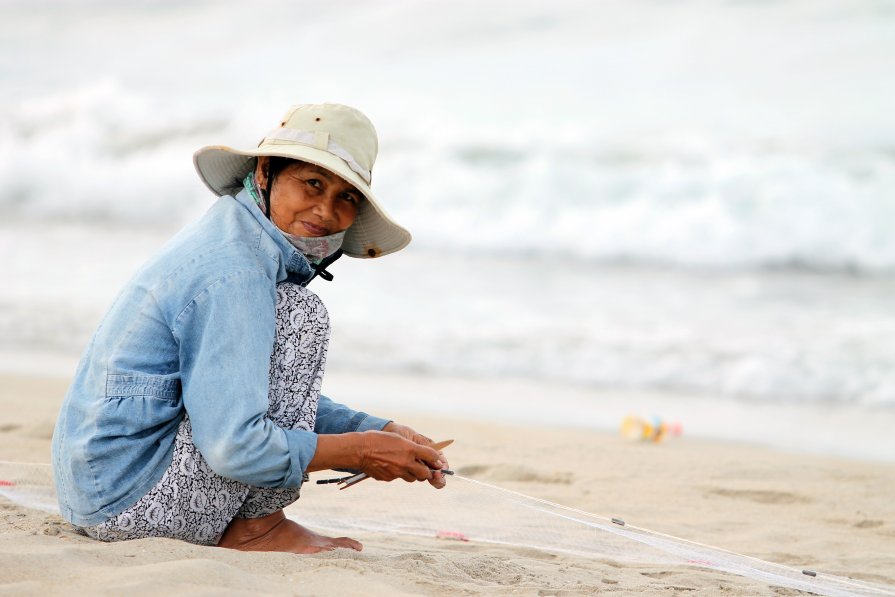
point(261, 169)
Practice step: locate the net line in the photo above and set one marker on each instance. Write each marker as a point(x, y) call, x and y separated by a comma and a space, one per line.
point(29, 484)
point(639, 534)
point(485, 513)
point(478, 512)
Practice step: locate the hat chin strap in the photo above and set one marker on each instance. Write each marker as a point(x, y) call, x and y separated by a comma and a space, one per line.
point(264, 191)
point(319, 140)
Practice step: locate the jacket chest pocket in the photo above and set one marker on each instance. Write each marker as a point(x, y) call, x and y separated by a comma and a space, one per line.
point(140, 404)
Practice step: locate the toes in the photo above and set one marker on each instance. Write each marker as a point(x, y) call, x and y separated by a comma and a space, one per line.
point(348, 542)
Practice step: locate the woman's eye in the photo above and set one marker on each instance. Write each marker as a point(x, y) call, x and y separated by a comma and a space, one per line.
point(350, 198)
point(314, 183)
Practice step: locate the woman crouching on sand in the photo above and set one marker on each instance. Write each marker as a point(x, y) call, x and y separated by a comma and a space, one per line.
point(195, 412)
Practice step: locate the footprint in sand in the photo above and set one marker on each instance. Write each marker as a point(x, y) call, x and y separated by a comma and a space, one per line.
point(509, 472)
point(790, 559)
point(492, 569)
point(661, 574)
point(761, 496)
point(42, 430)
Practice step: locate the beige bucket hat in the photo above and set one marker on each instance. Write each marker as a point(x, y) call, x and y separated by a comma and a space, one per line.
point(332, 136)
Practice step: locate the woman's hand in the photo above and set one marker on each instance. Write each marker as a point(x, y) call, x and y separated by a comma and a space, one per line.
point(437, 481)
point(389, 456)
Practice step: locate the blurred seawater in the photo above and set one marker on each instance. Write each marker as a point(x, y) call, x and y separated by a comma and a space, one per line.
point(695, 133)
point(684, 197)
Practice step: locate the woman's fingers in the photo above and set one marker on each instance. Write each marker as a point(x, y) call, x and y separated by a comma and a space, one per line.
point(407, 433)
point(392, 455)
point(422, 453)
point(429, 456)
point(410, 477)
point(437, 481)
point(436, 478)
point(435, 461)
point(420, 471)
point(417, 473)
point(387, 456)
point(402, 430)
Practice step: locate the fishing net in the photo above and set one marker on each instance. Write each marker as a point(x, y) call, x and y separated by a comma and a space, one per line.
point(29, 485)
point(477, 512)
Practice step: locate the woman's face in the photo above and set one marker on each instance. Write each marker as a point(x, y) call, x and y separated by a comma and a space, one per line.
point(307, 200)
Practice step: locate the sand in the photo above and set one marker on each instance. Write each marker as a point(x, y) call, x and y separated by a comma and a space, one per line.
point(832, 515)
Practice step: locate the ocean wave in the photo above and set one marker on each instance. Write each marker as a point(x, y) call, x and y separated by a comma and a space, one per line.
point(620, 132)
point(840, 371)
point(102, 153)
point(718, 205)
point(770, 337)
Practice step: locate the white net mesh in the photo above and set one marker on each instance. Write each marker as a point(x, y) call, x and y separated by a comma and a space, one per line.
point(478, 512)
point(484, 513)
point(28, 484)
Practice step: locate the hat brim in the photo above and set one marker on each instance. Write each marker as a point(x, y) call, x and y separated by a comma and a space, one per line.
point(372, 234)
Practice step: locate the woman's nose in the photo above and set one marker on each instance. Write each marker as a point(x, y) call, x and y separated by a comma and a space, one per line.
point(325, 208)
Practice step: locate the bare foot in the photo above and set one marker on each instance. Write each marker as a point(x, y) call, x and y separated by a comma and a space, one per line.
point(275, 532)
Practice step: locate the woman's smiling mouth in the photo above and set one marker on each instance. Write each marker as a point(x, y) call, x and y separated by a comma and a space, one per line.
point(314, 230)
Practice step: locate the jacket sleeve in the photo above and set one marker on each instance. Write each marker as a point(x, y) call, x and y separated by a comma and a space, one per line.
point(333, 417)
point(226, 336)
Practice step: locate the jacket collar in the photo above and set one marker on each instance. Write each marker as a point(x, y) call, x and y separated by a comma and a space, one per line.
point(293, 261)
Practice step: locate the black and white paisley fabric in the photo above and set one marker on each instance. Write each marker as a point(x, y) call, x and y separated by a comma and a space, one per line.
point(297, 364)
point(193, 503)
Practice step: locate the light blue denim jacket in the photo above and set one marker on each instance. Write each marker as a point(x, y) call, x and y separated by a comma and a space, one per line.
point(192, 331)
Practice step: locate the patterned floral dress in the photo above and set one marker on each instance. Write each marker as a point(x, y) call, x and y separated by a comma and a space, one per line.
point(193, 503)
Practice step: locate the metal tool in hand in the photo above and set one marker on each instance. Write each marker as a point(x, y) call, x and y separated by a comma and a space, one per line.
point(346, 482)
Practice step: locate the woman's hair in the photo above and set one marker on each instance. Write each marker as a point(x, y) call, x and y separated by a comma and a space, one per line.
point(275, 165)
